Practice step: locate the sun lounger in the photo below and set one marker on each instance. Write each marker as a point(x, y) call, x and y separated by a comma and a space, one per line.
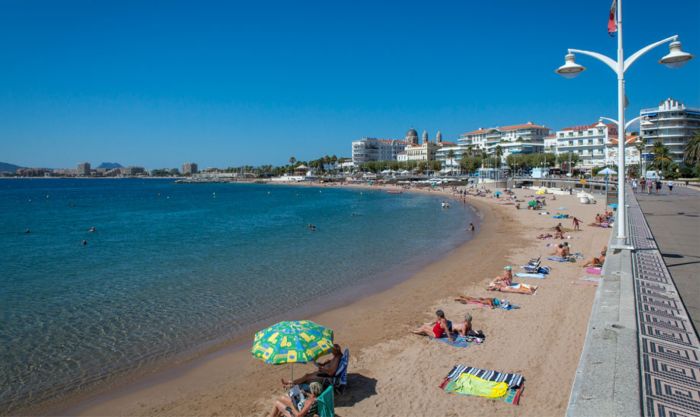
point(340, 380)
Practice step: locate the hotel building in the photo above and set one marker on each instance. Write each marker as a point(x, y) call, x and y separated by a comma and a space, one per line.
point(671, 123)
point(589, 142)
point(189, 168)
point(372, 149)
point(515, 139)
point(84, 169)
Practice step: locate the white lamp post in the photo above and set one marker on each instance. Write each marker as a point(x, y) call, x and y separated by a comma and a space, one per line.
point(674, 59)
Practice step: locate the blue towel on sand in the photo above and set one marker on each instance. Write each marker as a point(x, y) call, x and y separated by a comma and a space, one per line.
point(459, 342)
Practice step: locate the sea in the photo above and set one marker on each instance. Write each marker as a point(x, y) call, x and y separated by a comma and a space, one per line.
point(102, 278)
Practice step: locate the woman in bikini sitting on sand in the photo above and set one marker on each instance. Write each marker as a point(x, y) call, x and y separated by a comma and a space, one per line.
point(463, 328)
point(437, 329)
point(597, 261)
point(504, 280)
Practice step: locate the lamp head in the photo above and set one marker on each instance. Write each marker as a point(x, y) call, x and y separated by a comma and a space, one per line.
point(676, 58)
point(570, 69)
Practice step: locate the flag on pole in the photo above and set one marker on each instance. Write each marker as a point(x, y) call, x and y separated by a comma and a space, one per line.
point(612, 20)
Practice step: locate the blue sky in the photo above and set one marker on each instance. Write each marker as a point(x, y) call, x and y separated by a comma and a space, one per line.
point(228, 83)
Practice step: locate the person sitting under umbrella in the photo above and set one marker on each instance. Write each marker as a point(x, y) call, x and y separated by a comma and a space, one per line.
point(326, 369)
point(308, 406)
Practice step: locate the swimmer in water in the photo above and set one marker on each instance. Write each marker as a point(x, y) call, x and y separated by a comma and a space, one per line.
point(471, 227)
point(92, 229)
point(27, 231)
point(84, 242)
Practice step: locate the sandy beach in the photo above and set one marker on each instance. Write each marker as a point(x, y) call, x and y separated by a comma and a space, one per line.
point(395, 373)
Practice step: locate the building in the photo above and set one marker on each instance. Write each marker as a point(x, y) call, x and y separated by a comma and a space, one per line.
point(589, 142)
point(515, 139)
point(425, 150)
point(672, 124)
point(632, 154)
point(84, 169)
point(372, 149)
point(132, 171)
point(189, 168)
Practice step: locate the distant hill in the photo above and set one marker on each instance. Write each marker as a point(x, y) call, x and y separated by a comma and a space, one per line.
point(5, 167)
point(110, 165)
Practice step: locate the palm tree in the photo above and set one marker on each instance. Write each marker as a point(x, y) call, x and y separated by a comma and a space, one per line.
point(499, 154)
point(470, 150)
point(292, 160)
point(691, 153)
point(661, 155)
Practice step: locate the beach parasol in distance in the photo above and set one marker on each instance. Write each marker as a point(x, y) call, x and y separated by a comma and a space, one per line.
point(292, 342)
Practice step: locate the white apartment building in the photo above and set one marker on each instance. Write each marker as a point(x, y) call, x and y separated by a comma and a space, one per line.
point(671, 123)
point(632, 155)
point(514, 139)
point(371, 149)
point(443, 152)
point(589, 142)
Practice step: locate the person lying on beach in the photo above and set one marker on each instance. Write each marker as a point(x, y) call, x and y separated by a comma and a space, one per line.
point(485, 301)
point(325, 369)
point(437, 329)
point(308, 407)
point(545, 236)
point(599, 261)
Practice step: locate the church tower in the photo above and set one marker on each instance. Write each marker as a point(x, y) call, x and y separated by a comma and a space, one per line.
point(412, 137)
point(425, 137)
point(438, 138)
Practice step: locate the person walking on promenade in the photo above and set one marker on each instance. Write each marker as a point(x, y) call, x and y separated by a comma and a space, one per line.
point(643, 183)
point(650, 186)
point(670, 186)
point(634, 186)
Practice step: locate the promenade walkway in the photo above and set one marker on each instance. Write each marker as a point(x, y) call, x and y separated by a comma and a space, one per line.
point(642, 354)
point(674, 220)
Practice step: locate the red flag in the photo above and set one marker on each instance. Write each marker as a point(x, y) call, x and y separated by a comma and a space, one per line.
point(612, 20)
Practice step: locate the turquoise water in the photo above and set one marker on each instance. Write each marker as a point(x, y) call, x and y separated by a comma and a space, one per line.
point(172, 267)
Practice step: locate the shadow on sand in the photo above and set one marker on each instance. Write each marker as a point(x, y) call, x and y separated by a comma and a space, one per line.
point(359, 388)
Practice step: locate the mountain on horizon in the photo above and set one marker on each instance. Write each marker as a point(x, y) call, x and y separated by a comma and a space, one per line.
point(110, 165)
point(6, 167)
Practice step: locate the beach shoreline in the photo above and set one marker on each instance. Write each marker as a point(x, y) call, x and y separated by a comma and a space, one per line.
point(179, 363)
point(231, 382)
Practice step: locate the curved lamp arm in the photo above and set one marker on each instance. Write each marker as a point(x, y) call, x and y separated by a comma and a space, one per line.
point(627, 125)
point(632, 58)
point(608, 61)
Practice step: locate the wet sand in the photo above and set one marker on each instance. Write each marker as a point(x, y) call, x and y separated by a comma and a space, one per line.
point(394, 373)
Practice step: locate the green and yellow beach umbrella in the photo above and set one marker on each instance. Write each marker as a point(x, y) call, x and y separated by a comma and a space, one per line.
point(292, 342)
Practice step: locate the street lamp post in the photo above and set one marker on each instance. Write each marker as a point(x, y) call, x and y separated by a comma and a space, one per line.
point(674, 59)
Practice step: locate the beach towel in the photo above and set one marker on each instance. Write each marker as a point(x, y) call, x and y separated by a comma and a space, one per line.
point(562, 258)
point(530, 275)
point(468, 384)
point(594, 270)
point(515, 382)
point(519, 288)
point(458, 342)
